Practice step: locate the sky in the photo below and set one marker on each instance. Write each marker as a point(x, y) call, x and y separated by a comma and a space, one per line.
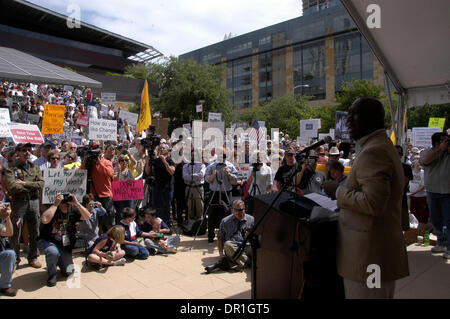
point(174, 27)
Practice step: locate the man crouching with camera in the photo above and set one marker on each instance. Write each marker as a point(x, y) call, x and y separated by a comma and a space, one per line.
point(57, 234)
point(232, 231)
point(7, 256)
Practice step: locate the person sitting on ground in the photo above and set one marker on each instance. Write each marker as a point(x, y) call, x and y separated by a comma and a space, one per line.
point(7, 256)
point(106, 248)
point(130, 245)
point(158, 243)
point(89, 228)
point(57, 234)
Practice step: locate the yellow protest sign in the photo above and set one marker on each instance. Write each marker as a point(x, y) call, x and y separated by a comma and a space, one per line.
point(437, 122)
point(53, 120)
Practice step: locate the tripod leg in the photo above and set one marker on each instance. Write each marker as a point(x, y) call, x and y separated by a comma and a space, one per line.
point(204, 216)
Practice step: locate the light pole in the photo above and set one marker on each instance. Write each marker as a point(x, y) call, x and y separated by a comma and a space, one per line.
point(301, 86)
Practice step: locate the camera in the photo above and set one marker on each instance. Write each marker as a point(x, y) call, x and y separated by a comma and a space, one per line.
point(152, 141)
point(222, 264)
point(256, 166)
point(67, 198)
point(95, 204)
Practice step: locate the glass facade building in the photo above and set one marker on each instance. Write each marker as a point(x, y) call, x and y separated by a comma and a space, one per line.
point(311, 55)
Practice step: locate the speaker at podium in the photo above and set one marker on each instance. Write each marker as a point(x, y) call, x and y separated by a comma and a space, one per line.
point(296, 254)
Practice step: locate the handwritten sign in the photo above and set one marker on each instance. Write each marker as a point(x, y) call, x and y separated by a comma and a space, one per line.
point(4, 120)
point(33, 118)
point(128, 190)
point(102, 130)
point(108, 98)
point(58, 180)
point(214, 117)
point(53, 120)
point(24, 133)
point(437, 122)
point(131, 117)
point(83, 121)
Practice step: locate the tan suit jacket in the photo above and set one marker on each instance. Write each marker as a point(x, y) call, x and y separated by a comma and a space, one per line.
point(370, 228)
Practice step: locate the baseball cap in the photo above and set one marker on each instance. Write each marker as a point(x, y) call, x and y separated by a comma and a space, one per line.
point(415, 150)
point(20, 146)
point(290, 151)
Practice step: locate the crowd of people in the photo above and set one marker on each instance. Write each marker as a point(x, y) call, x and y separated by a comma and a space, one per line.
point(175, 193)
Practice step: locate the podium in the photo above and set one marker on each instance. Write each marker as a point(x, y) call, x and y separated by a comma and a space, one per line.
point(295, 258)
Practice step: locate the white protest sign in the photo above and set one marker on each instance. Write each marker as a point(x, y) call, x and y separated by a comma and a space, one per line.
point(108, 98)
point(59, 180)
point(214, 117)
point(131, 117)
point(308, 128)
point(331, 133)
point(102, 130)
point(76, 138)
point(33, 118)
point(199, 108)
point(421, 136)
point(33, 88)
point(68, 88)
point(4, 120)
point(244, 169)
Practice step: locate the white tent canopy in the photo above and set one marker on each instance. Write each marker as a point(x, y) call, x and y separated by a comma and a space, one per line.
point(16, 65)
point(413, 46)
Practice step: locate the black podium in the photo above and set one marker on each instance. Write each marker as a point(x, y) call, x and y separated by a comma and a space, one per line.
point(296, 258)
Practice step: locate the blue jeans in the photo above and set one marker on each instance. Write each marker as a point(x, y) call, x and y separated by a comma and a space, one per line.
point(7, 261)
point(136, 252)
point(55, 256)
point(171, 241)
point(162, 197)
point(439, 205)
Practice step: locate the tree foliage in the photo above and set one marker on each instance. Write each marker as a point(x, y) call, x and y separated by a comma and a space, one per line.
point(419, 116)
point(183, 83)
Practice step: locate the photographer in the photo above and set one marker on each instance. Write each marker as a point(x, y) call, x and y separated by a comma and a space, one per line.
point(163, 170)
point(101, 172)
point(194, 178)
point(232, 232)
point(220, 177)
point(89, 228)
point(260, 180)
point(311, 180)
point(57, 234)
point(282, 177)
point(7, 256)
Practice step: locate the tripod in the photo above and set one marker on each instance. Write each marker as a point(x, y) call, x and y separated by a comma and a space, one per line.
point(252, 194)
point(220, 201)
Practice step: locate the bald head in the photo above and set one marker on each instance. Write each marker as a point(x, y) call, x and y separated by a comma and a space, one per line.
point(365, 116)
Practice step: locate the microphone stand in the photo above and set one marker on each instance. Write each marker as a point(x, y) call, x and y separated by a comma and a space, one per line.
point(254, 242)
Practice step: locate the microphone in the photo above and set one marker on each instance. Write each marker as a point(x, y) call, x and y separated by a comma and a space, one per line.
point(326, 140)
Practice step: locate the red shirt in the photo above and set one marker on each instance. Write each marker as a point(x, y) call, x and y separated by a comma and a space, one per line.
point(102, 174)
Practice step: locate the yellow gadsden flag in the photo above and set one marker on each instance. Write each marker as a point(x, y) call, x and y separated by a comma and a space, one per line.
point(145, 116)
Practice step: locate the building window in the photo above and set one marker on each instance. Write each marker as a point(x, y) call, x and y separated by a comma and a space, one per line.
point(264, 41)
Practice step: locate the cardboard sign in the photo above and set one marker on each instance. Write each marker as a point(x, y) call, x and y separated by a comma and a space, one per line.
point(83, 121)
point(24, 133)
point(59, 180)
point(421, 136)
point(128, 190)
point(102, 130)
point(53, 120)
point(131, 117)
point(108, 98)
point(437, 122)
point(4, 120)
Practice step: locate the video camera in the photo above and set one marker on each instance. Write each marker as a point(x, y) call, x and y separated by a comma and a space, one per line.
point(152, 141)
point(92, 155)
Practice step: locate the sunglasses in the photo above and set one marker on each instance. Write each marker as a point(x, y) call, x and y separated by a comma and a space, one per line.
point(54, 158)
point(239, 209)
point(25, 150)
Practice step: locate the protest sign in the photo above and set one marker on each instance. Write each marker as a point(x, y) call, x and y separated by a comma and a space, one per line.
point(341, 129)
point(244, 169)
point(421, 136)
point(25, 133)
point(131, 117)
point(108, 98)
point(199, 108)
point(19, 99)
point(187, 127)
point(128, 190)
point(4, 120)
point(102, 130)
point(59, 180)
point(68, 88)
point(83, 121)
point(53, 119)
point(437, 122)
point(76, 138)
point(214, 117)
point(65, 136)
point(308, 128)
point(33, 118)
point(33, 88)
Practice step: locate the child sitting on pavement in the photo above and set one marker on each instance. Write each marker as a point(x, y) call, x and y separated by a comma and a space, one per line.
point(106, 248)
point(130, 245)
point(156, 228)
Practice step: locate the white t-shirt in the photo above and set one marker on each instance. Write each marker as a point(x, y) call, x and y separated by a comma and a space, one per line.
point(417, 181)
point(263, 179)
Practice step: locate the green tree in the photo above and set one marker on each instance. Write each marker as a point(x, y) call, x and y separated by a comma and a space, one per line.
point(183, 83)
point(419, 116)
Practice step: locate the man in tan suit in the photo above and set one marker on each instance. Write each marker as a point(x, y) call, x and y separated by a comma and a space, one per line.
point(371, 251)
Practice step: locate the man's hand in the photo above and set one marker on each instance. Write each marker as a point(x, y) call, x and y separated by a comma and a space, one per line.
point(330, 188)
point(5, 212)
point(20, 182)
point(58, 199)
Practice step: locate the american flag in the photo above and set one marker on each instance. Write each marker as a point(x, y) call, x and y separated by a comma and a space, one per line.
point(157, 114)
point(257, 132)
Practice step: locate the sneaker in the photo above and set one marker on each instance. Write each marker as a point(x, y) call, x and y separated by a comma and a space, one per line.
point(438, 249)
point(172, 249)
point(10, 292)
point(35, 264)
point(120, 262)
point(446, 255)
point(51, 282)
